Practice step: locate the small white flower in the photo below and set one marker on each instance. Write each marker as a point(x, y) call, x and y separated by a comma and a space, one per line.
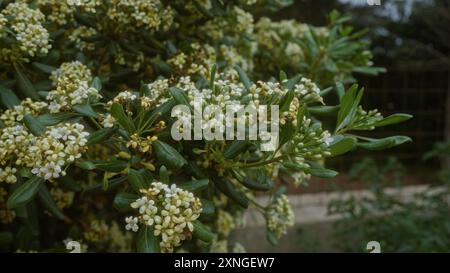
point(132, 223)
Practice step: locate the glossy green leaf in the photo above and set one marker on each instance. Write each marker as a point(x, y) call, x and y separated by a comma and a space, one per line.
point(146, 241)
point(47, 200)
point(123, 119)
point(136, 180)
point(33, 125)
point(384, 143)
point(271, 237)
point(322, 172)
point(393, 119)
point(101, 135)
point(202, 232)
point(123, 200)
point(24, 85)
point(85, 110)
point(323, 110)
point(114, 166)
point(208, 208)
point(97, 83)
point(244, 78)
point(179, 96)
point(229, 190)
point(195, 185)
point(164, 175)
point(341, 145)
point(55, 118)
point(235, 148)
point(8, 98)
point(24, 193)
point(44, 67)
point(168, 155)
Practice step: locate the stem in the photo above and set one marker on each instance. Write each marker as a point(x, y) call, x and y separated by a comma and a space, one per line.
point(261, 163)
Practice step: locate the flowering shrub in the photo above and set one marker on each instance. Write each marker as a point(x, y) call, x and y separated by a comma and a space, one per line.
point(87, 89)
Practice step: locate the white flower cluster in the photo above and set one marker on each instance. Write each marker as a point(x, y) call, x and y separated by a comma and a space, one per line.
point(108, 121)
point(71, 72)
point(270, 34)
point(8, 175)
point(78, 35)
point(224, 223)
point(169, 210)
point(61, 12)
point(59, 146)
point(307, 91)
point(71, 81)
point(135, 14)
point(26, 24)
point(26, 107)
point(279, 216)
point(124, 97)
point(157, 94)
point(46, 154)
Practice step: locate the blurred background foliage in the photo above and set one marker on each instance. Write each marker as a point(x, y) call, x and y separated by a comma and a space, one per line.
point(411, 39)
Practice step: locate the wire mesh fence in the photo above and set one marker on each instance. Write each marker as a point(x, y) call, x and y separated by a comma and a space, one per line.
point(421, 93)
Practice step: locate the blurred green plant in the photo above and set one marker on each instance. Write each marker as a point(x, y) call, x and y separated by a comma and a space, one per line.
point(421, 224)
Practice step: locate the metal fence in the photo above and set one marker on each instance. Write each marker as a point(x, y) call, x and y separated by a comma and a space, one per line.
point(417, 92)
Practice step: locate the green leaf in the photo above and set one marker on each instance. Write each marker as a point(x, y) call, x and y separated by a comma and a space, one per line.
point(85, 165)
point(97, 83)
point(323, 110)
point(114, 166)
point(146, 241)
point(44, 67)
point(349, 105)
point(229, 190)
point(136, 180)
point(8, 98)
point(55, 118)
point(287, 132)
point(32, 217)
point(47, 199)
point(244, 78)
point(383, 143)
point(168, 155)
point(208, 208)
point(195, 185)
point(119, 114)
point(340, 90)
point(179, 96)
point(235, 148)
point(123, 200)
point(85, 110)
point(322, 172)
point(290, 84)
point(257, 180)
point(24, 193)
point(164, 175)
point(24, 85)
point(202, 232)
point(282, 76)
point(294, 166)
point(34, 125)
point(341, 145)
point(271, 237)
point(373, 71)
point(101, 135)
point(286, 100)
point(392, 119)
